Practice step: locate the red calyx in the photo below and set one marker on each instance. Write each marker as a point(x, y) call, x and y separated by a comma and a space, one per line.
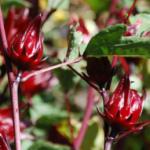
point(26, 49)
point(3, 142)
point(124, 107)
point(17, 20)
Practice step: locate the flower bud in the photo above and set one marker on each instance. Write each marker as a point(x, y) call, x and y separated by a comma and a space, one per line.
point(26, 49)
point(16, 20)
point(124, 107)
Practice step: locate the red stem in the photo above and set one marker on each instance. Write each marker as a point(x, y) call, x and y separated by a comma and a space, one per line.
point(125, 65)
point(47, 14)
point(51, 68)
point(88, 112)
point(13, 85)
point(114, 61)
point(130, 11)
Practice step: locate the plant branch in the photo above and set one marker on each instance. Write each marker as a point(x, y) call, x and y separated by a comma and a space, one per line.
point(88, 112)
point(130, 11)
point(47, 14)
point(114, 61)
point(108, 143)
point(51, 68)
point(85, 79)
point(15, 103)
point(13, 86)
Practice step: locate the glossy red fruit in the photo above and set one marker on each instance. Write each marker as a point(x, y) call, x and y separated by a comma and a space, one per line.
point(36, 83)
point(26, 49)
point(16, 20)
point(3, 142)
point(124, 107)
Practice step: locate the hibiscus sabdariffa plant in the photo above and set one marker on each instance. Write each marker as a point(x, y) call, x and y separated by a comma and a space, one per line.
point(122, 111)
point(22, 50)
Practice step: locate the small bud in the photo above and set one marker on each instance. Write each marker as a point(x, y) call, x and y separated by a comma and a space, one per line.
point(26, 49)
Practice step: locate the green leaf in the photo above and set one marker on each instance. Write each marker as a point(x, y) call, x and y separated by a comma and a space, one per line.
point(90, 136)
point(65, 78)
point(42, 145)
point(52, 119)
point(25, 144)
point(99, 5)
point(44, 110)
point(102, 43)
point(133, 47)
point(109, 42)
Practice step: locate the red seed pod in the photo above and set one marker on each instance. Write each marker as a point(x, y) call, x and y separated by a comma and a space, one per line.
point(3, 141)
point(26, 49)
point(36, 83)
point(124, 107)
point(16, 20)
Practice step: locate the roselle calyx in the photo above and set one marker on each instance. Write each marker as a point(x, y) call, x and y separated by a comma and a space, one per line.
point(26, 49)
point(16, 20)
point(124, 107)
